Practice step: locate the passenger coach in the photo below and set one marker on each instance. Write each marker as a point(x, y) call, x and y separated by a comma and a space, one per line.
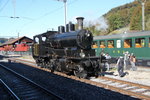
point(135, 42)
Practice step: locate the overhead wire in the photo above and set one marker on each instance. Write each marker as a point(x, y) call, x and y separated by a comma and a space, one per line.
point(32, 20)
point(14, 8)
point(53, 11)
point(1, 9)
point(46, 14)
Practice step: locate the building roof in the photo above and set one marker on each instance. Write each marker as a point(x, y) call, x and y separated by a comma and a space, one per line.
point(13, 41)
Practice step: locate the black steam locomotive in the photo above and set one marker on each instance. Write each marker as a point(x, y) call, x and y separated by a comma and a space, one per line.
point(68, 52)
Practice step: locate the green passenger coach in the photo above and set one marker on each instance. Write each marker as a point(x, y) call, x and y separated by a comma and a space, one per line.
point(137, 43)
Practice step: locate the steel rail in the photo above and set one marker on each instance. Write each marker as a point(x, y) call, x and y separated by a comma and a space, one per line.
point(9, 90)
point(126, 82)
point(35, 84)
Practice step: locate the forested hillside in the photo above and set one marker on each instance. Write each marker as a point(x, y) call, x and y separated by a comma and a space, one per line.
point(128, 17)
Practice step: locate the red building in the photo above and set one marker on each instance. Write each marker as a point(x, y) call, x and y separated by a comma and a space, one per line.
point(21, 47)
point(18, 44)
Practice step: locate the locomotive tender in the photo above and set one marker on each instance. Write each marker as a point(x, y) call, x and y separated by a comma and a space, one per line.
point(69, 52)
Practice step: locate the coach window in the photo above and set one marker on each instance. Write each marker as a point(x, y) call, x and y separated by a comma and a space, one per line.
point(127, 43)
point(110, 44)
point(102, 44)
point(95, 45)
point(139, 42)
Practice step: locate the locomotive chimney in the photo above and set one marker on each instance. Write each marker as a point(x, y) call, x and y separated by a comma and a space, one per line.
point(80, 22)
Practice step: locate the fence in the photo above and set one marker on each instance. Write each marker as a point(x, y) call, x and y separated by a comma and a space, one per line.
point(15, 53)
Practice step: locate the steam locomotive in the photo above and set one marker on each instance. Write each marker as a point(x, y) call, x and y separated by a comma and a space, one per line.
point(68, 52)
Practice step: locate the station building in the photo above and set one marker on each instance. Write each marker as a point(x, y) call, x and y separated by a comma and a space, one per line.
point(21, 44)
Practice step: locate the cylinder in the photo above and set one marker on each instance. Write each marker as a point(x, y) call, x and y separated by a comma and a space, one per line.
point(80, 22)
point(61, 29)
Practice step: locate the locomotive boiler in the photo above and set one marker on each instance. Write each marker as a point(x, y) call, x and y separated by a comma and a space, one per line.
point(67, 51)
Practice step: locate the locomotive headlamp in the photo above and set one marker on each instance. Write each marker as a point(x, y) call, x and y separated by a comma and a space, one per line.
point(82, 54)
point(87, 34)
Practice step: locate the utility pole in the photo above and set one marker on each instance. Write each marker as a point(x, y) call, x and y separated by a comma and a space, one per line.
point(65, 10)
point(18, 37)
point(14, 5)
point(143, 13)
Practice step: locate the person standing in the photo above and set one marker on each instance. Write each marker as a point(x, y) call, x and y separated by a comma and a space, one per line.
point(102, 62)
point(126, 60)
point(132, 61)
point(108, 57)
point(120, 66)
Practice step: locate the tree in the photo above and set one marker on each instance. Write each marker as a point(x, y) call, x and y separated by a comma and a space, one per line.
point(136, 19)
point(115, 22)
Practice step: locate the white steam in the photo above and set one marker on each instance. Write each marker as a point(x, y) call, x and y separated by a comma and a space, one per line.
point(100, 23)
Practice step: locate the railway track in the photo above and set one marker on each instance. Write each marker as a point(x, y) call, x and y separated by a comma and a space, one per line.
point(23, 88)
point(136, 90)
point(125, 87)
point(6, 92)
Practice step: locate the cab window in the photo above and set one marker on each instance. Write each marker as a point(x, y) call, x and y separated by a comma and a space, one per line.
point(43, 39)
point(110, 44)
point(127, 43)
point(36, 40)
point(95, 45)
point(102, 44)
point(139, 42)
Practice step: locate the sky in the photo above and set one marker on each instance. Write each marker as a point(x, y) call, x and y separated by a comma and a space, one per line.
point(32, 17)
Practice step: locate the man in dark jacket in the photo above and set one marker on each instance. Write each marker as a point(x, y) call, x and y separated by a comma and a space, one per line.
point(120, 64)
